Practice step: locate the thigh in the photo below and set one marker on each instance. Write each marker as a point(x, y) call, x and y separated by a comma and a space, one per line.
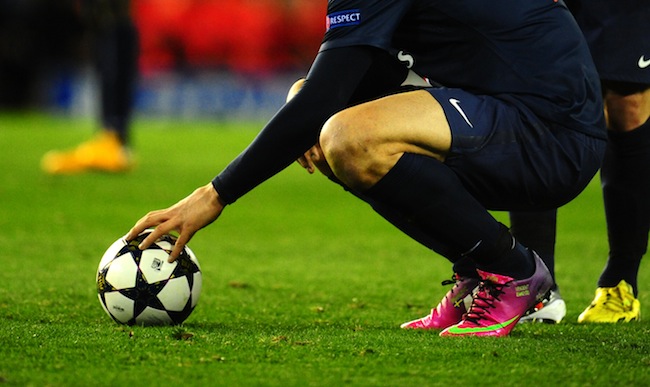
point(410, 121)
point(362, 143)
point(434, 122)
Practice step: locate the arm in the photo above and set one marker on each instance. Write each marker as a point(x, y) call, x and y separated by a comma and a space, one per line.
point(331, 85)
point(338, 78)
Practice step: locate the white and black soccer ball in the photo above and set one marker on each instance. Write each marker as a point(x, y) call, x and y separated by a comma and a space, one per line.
point(139, 287)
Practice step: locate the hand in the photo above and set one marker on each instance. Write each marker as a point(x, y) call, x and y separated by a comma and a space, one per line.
point(314, 159)
point(186, 217)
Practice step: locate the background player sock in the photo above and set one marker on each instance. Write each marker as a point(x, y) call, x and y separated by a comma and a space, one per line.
point(625, 177)
point(537, 230)
point(426, 193)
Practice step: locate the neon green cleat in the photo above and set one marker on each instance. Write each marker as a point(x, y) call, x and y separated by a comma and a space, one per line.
point(612, 305)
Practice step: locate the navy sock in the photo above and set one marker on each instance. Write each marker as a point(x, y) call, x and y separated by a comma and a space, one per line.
point(625, 177)
point(424, 192)
point(537, 231)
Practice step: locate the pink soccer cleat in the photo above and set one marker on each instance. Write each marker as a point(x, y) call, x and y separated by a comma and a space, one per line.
point(451, 309)
point(501, 301)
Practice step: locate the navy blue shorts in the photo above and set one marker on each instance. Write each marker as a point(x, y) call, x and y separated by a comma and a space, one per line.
point(618, 34)
point(511, 160)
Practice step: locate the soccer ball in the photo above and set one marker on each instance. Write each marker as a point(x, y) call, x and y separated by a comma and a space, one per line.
point(139, 287)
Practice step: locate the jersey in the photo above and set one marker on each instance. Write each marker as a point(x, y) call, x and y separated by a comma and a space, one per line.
point(530, 53)
point(618, 34)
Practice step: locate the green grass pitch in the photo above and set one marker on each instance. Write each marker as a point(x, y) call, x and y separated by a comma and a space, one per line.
point(303, 284)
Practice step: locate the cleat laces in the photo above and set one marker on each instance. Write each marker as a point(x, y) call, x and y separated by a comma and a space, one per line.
point(455, 280)
point(487, 295)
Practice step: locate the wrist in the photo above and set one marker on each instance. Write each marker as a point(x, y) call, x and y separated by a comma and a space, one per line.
point(214, 196)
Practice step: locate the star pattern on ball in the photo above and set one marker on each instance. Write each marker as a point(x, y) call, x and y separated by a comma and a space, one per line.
point(144, 294)
point(168, 296)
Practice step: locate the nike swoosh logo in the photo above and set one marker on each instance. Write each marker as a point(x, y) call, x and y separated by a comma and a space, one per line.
point(491, 328)
point(643, 63)
point(456, 104)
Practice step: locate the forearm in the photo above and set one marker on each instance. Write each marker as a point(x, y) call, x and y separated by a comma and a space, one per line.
point(278, 145)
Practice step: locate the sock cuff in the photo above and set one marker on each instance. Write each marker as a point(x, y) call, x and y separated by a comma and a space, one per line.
point(393, 183)
point(487, 253)
point(634, 140)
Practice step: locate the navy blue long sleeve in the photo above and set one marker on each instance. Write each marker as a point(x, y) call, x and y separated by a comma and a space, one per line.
point(338, 78)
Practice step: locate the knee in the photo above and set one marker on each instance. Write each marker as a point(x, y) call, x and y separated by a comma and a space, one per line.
point(627, 112)
point(351, 152)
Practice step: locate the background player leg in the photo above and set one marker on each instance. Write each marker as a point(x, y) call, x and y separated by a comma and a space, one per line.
point(625, 177)
point(116, 55)
point(537, 230)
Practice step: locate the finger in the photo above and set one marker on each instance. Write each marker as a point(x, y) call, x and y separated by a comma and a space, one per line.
point(309, 157)
point(150, 220)
point(302, 161)
point(138, 228)
point(180, 244)
point(176, 252)
point(310, 167)
point(306, 163)
point(156, 233)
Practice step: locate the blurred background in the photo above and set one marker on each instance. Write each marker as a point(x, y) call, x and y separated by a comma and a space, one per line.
point(196, 58)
